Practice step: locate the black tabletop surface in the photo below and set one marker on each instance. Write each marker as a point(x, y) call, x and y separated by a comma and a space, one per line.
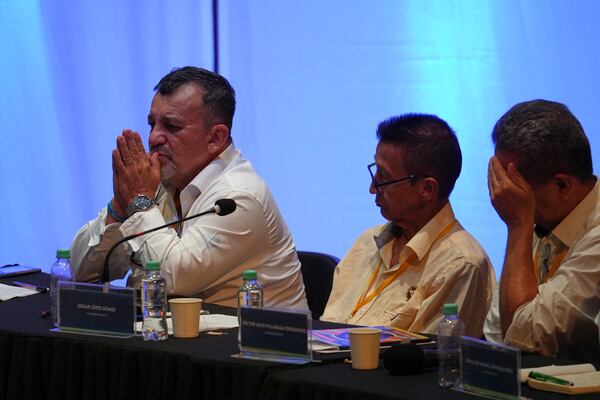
point(38, 363)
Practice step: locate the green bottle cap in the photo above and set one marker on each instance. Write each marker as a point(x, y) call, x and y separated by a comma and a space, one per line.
point(63, 253)
point(153, 266)
point(450, 308)
point(249, 274)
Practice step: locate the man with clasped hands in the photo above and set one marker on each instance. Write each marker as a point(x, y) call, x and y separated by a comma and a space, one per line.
point(192, 163)
point(542, 185)
point(400, 274)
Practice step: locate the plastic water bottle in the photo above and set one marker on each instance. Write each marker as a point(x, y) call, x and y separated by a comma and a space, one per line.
point(154, 302)
point(450, 330)
point(59, 271)
point(250, 294)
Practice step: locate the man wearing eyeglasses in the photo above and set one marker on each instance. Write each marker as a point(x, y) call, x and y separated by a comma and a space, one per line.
point(402, 273)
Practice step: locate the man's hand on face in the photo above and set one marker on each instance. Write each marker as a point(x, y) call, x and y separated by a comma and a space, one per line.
point(511, 195)
point(134, 171)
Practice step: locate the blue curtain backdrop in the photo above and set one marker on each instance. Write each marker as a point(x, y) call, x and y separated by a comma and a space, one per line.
point(313, 81)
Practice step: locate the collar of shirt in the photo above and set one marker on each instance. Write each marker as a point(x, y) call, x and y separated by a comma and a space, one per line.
point(164, 198)
point(570, 227)
point(205, 178)
point(420, 243)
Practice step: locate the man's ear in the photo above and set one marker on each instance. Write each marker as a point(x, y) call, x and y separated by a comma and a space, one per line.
point(429, 188)
point(218, 139)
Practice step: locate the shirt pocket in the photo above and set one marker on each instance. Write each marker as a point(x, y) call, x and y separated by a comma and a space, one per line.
point(400, 313)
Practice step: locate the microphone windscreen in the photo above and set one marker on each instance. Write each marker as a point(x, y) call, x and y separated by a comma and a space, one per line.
point(404, 359)
point(225, 206)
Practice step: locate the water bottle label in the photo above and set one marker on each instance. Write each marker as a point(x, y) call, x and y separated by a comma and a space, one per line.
point(154, 325)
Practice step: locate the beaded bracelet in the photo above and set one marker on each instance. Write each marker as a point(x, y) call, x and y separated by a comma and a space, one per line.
point(113, 213)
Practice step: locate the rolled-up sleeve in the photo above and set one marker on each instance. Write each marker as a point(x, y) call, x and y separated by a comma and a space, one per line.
point(210, 248)
point(563, 311)
point(90, 247)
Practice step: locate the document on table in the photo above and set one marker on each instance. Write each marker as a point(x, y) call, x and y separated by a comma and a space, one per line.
point(558, 370)
point(8, 292)
point(320, 347)
point(208, 322)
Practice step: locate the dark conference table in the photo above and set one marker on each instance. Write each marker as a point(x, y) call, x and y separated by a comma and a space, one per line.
point(36, 363)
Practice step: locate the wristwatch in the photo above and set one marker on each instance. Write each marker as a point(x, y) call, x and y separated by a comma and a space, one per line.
point(140, 202)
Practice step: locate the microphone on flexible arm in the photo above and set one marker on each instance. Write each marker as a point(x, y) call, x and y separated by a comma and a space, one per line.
point(222, 207)
point(409, 359)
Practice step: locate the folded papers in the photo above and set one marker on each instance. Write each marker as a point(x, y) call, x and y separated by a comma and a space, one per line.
point(340, 339)
point(208, 322)
point(8, 292)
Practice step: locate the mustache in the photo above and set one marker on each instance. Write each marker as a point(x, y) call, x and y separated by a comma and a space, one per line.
point(162, 150)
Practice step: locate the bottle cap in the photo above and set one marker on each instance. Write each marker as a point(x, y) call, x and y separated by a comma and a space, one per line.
point(63, 253)
point(249, 274)
point(450, 308)
point(153, 266)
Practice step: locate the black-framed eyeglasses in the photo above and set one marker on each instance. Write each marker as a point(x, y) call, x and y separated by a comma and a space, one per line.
point(379, 185)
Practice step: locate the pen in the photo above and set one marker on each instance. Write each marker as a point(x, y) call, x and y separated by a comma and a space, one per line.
point(40, 289)
point(538, 376)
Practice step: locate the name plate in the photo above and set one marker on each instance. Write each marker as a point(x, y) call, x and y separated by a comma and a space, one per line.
point(96, 309)
point(275, 335)
point(490, 369)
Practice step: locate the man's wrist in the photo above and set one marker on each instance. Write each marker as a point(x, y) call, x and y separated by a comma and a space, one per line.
point(140, 202)
point(520, 225)
point(114, 214)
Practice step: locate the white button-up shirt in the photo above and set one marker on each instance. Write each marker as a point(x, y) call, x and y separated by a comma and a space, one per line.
point(559, 320)
point(207, 255)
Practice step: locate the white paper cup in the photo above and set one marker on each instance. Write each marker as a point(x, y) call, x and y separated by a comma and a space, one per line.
point(364, 347)
point(185, 313)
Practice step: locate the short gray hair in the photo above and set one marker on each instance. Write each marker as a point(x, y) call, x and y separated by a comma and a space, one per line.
point(547, 139)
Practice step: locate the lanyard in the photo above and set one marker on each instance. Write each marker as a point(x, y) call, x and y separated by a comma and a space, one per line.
point(553, 267)
point(364, 299)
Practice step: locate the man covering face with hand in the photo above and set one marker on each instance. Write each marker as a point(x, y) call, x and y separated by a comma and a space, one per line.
point(542, 185)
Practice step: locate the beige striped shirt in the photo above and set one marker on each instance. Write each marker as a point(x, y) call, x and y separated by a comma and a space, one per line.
point(451, 269)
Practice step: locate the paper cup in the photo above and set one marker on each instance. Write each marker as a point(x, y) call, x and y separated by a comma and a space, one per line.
point(364, 347)
point(185, 313)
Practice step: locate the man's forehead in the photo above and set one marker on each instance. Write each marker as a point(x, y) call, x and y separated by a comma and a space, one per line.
point(185, 98)
point(389, 156)
point(389, 150)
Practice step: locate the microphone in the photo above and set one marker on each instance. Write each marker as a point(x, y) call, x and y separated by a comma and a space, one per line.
point(222, 207)
point(409, 359)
